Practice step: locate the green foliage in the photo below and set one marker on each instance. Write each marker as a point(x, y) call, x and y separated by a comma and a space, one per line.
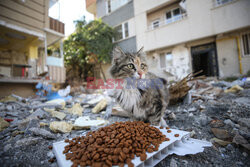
point(94, 38)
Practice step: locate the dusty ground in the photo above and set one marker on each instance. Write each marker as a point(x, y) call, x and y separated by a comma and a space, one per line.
point(21, 146)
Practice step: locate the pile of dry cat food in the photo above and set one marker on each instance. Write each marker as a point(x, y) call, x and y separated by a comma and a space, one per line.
point(116, 144)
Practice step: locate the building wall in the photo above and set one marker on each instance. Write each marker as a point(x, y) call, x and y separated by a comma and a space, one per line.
point(120, 15)
point(128, 45)
point(215, 20)
point(31, 14)
point(100, 8)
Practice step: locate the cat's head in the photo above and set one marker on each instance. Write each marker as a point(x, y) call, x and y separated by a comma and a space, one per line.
point(126, 65)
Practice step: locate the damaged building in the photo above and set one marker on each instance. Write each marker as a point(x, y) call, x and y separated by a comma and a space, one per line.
point(31, 47)
point(179, 37)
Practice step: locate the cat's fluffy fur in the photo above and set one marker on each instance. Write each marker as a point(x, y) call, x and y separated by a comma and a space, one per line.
point(144, 104)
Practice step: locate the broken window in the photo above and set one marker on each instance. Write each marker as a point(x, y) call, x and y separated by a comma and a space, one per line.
point(122, 31)
point(246, 43)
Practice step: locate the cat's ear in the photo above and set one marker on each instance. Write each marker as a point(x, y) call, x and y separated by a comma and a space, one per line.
point(139, 52)
point(117, 54)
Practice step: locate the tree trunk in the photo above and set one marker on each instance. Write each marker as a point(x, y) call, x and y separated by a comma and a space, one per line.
point(103, 74)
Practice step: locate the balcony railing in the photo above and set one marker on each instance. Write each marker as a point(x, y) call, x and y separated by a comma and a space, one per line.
point(167, 21)
point(56, 25)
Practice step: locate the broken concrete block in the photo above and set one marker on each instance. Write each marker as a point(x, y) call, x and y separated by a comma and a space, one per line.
point(62, 126)
point(100, 106)
point(3, 124)
point(76, 109)
point(220, 142)
point(86, 123)
point(234, 89)
point(27, 141)
point(56, 102)
point(56, 114)
point(42, 132)
point(8, 98)
point(42, 124)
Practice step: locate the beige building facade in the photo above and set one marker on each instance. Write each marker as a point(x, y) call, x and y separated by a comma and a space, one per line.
point(184, 36)
point(180, 37)
point(30, 42)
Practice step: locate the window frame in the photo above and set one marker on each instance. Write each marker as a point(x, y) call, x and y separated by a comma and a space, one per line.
point(108, 3)
point(123, 31)
point(165, 59)
point(172, 20)
point(242, 43)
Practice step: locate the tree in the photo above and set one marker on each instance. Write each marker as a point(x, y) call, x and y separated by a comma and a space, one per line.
point(92, 41)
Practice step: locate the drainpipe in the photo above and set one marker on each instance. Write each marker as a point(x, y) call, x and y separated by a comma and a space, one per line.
point(239, 53)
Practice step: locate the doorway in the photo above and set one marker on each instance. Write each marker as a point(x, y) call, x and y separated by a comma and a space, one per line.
point(204, 57)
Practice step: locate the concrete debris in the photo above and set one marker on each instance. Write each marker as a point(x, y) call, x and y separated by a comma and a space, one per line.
point(220, 142)
point(42, 132)
point(220, 133)
point(56, 114)
point(60, 102)
point(234, 89)
point(239, 140)
point(100, 106)
point(3, 124)
point(205, 110)
point(62, 126)
point(27, 142)
point(76, 109)
point(87, 123)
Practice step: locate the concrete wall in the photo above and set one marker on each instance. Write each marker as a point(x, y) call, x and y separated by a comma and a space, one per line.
point(128, 45)
point(100, 8)
point(21, 89)
point(120, 15)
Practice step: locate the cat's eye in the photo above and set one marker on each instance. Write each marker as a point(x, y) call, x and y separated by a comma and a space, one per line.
point(143, 66)
point(130, 66)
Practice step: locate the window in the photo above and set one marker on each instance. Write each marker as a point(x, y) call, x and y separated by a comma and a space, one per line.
point(112, 5)
point(122, 31)
point(174, 15)
point(246, 43)
point(166, 60)
point(222, 2)
point(155, 24)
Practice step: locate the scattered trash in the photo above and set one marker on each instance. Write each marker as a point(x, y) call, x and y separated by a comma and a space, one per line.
point(220, 142)
point(62, 126)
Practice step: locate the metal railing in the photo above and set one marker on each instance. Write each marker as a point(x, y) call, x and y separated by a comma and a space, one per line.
point(167, 21)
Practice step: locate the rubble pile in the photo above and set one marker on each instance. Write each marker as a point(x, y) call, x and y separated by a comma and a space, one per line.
point(216, 111)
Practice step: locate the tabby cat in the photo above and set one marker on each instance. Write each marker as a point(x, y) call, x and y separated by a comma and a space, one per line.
point(147, 97)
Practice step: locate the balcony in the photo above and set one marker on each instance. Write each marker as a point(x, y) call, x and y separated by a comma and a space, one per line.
point(158, 23)
point(56, 25)
point(91, 6)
